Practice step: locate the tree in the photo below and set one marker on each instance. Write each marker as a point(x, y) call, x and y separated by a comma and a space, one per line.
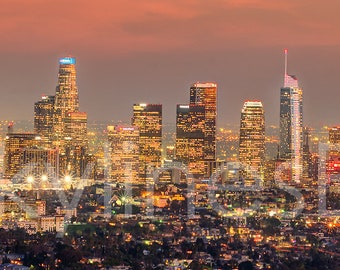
point(270, 225)
point(195, 265)
point(68, 256)
point(247, 265)
point(5, 260)
point(200, 246)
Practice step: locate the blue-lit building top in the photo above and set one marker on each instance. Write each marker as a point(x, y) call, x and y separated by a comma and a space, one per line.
point(67, 61)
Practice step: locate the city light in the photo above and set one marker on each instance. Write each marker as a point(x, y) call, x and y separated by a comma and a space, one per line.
point(67, 178)
point(30, 179)
point(194, 191)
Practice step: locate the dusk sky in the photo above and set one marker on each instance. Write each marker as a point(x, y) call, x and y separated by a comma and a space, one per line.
point(152, 51)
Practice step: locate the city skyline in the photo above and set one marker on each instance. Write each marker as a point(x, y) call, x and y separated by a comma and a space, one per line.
point(215, 43)
point(128, 148)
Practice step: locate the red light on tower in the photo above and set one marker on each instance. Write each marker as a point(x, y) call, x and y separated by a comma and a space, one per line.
point(10, 127)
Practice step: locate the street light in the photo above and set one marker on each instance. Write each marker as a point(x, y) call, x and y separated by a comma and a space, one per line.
point(30, 179)
point(67, 178)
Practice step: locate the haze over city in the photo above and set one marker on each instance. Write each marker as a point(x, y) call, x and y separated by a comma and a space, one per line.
point(169, 134)
point(152, 51)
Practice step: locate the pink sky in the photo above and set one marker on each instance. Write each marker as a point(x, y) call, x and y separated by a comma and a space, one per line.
point(116, 26)
point(131, 51)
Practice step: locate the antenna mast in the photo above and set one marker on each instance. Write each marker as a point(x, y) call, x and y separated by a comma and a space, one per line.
point(286, 60)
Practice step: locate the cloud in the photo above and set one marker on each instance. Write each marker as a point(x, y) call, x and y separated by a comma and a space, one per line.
point(151, 25)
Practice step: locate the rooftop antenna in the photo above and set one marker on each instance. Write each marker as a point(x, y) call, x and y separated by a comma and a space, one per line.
point(285, 81)
point(289, 80)
point(286, 60)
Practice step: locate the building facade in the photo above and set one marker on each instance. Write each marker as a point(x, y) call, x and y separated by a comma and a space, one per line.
point(124, 153)
point(190, 126)
point(148, 119)
point(333, 152)
point(15, 146)
point(196, 130)
point(69, 124)
point(252, 142)
point(307, 167)
point(205, 94)
point(75, 144)
point(334, 134)
point(291, 125)
point(43, 117)
point(66, 97)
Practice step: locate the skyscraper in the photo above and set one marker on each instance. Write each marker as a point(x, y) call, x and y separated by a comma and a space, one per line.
point(75, 128)
point(40, 162)
point(66, 97)
point(124, 153)
point(333, 152)
point(75, 144)
point(307, 167)
point(190, 126)
point(148, 119)
point(334, 134)
point(291, 123)
point(43, 117)
point(205, 94)
point(252, 141)
point(15, 146)
point(70, 125)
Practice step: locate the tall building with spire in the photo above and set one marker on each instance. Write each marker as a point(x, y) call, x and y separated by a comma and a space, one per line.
point(291, 123)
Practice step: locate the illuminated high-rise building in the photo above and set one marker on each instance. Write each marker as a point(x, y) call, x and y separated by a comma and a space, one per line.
point(43, 117)
point(75, 144)
point(252, 141)
point(76, 128)
point(190, 126)
point(66, 97)
point(307, 167)
point(15, 146)
point(205, 94)
point(124, 153)
point(148, 119)
point(40, 162)
point(69, 132)
point(291, 123)
point(333, 152)
point(334, 134)
point(170, 153)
